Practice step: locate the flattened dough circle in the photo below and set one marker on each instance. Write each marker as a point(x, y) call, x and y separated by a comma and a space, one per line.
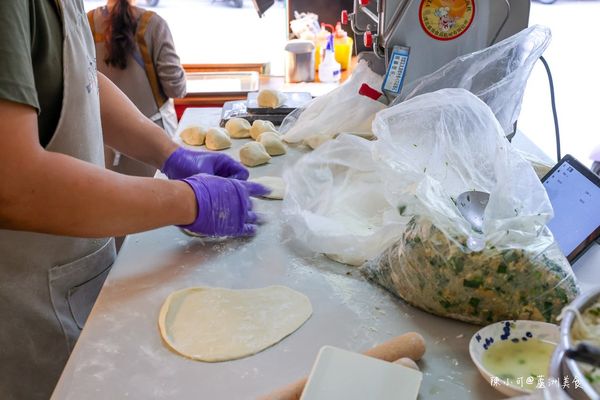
point(216, 324)
point(275, 184)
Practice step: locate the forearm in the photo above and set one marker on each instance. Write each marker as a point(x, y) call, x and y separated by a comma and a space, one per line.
point(128, 131)
point(65, 196)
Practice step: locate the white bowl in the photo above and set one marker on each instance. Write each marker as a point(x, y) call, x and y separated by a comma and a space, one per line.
point(509, 330)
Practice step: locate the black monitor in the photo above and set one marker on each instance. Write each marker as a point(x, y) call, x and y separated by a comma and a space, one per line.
point(262, 5)
point(574, 192)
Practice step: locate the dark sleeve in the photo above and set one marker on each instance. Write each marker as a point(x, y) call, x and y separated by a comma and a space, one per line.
point(166, 61)
point(17, 82)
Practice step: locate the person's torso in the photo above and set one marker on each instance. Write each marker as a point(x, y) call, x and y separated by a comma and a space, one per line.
point(48, 283)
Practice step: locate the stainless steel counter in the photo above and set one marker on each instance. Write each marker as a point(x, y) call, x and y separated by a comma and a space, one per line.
point(120, 353)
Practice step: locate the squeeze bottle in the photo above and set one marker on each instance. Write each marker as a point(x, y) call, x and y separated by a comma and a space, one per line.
point(329, 70)
point(342, 46)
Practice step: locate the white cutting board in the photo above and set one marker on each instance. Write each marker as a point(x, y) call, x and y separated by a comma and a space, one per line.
point(343, 375)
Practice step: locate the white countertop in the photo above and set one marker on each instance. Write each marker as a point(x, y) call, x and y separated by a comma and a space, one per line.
point(120, 353)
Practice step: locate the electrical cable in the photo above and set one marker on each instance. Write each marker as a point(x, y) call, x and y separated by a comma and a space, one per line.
point(553, 101)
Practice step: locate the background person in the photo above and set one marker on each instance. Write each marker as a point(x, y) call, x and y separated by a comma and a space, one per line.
point(135, 50)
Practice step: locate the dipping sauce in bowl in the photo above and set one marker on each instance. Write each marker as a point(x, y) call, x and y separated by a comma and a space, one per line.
point(514, 356)
point(524, 359)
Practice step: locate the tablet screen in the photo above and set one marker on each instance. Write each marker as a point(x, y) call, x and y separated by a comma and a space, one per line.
point(576, 202)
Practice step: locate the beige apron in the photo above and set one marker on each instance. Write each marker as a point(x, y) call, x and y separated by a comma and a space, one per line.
point(162, 112)
point(49, 283)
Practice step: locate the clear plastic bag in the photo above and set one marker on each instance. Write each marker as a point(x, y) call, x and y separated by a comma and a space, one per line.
point(341, 110)
point(435, 147)
point(335, 202)
point(497, 74)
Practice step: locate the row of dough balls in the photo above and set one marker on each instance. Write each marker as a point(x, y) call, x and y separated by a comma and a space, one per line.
point(213, 138)
point(267, 140)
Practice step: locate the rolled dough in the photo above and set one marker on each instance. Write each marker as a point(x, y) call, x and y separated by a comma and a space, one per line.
point(217, 139)
point(193, 135)
point(254, 154)
point(273, 143)
point(238, 128)
point(259, 126)
point(216, 324)
point(275, 184)
point(270, 98)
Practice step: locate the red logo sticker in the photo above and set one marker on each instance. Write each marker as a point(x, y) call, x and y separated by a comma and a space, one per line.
point(446, 19)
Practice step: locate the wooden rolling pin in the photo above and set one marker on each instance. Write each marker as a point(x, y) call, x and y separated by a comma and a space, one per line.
point(410, 345)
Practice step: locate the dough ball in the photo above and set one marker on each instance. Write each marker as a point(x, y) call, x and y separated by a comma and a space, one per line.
point(407, 362)
point(259, 126)
point(193, 135)
point(275, 184)
point(217, 139)
point(364, 135)
point(270, 98)
point(344, 259)
point(238, 128)
point(315, 141)
point(192, 234)
point(272, 143)
point(253, 154)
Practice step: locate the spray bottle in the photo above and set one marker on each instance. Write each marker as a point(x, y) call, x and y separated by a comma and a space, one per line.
point(330, 70)
point(321, 40)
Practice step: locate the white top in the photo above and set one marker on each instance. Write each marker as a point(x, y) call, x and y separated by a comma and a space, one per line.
point(120, 353)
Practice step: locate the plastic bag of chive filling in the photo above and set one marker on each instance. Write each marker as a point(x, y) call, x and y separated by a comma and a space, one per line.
point(433, 148)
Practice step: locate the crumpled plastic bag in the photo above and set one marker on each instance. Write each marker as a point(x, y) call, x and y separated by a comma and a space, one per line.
point(497, 74)
point(434, 147)
point(339, 111)
point(335, 202)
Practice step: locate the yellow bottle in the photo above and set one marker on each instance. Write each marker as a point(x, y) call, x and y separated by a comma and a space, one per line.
point(342, 46)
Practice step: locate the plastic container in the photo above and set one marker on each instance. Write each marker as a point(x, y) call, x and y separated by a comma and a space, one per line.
point(329, 69)
point(299, 61)
point(342, 46)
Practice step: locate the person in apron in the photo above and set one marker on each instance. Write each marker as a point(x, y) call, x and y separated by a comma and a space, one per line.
point(135, 50)
point(59, 207)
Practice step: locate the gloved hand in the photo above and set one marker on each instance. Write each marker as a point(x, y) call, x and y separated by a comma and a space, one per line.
point(224, 206)
point(183, 163)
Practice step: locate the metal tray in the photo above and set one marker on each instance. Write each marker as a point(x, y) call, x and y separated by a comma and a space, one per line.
point(238, 109)
point(293, 100)
point(218, 83)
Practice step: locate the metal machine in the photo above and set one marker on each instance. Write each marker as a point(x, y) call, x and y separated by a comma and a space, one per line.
point(433, 32)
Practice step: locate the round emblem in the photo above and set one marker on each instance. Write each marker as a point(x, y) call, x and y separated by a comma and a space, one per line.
point(446, 19)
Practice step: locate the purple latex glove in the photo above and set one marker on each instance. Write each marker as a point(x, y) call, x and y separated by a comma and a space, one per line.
point(183, 163)
point(224, 206)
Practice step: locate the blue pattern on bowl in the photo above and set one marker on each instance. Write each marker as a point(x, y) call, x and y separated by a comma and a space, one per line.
point(514, 331)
